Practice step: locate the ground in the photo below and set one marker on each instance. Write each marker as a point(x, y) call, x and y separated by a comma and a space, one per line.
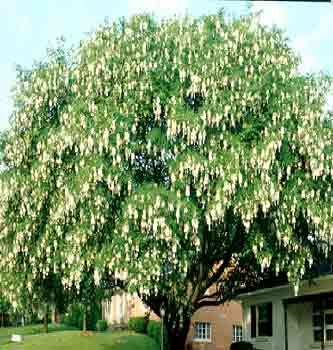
point(34, 329)
point(74, 340)
point(5, 333)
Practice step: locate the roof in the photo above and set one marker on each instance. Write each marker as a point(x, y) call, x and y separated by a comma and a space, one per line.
point(322, 284)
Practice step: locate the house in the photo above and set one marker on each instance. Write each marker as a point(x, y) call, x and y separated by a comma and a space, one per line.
point(121, 307)
point(276, 319)
point(212, 328)
point(216, 327)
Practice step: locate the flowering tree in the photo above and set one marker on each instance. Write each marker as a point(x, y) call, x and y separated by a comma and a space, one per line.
point(168, 156)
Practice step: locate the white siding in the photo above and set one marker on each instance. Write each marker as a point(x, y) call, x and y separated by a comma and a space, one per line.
point(300, 332)
point(299, 316)
point(278, 325)
point(246, 322)
point(276, 342)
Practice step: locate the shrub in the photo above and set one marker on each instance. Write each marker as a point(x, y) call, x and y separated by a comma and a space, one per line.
point(94, 314)
point(154, 332)
point(101, 326)
point(74, 316)
point(242, 345)
point(137, 324)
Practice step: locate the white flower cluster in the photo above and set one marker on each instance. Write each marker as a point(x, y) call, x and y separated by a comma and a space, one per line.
point(214, 108)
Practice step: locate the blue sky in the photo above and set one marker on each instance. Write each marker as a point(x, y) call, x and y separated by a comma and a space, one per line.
point(28, 27)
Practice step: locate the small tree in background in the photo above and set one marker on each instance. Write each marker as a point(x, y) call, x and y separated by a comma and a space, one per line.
point(88, 299)
point(5, 309)
point(169, 156)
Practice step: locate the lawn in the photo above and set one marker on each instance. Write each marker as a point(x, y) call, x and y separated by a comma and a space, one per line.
point(5, 333)
point(32, 329)
point(74, 340)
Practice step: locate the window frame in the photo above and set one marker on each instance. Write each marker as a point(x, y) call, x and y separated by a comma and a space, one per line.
point(206, 330)
point(325, 326)
point(236, 337)
point(255, 316)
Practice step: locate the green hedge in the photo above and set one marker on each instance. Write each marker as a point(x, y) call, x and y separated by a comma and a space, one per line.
point(242, 345)
point(101, 326)
point(137, 324)
point(154, 331)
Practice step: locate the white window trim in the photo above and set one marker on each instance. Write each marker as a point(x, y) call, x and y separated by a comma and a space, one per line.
point(318, 328)
point(203, 340)
point(237, 338)
point(261, 337)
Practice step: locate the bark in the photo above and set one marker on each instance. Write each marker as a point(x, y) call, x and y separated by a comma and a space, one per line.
point(84, 321)
point(177, 335)
point(46, 316)
point(176, 331)
point(53, 314)
point(57, 316)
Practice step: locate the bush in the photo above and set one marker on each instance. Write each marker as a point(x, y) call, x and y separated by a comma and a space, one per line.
point(94, 314)
point(101, 326)
point(242, 345)
point(154, 332)
point(137, 324)
point(74, 316)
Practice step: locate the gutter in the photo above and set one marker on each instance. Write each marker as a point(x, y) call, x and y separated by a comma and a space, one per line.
point(285, 286)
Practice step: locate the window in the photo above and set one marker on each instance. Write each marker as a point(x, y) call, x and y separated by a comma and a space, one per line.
point(202, 331)
point(265, 320)
point(261, 320)
point(322, 320)
point(237, 333)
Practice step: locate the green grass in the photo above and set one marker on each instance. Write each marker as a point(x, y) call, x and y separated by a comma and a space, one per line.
point(5, 333)
point(32, 329)
point(74, 340)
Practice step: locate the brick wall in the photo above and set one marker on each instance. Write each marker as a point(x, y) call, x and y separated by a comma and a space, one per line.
point(222, 318)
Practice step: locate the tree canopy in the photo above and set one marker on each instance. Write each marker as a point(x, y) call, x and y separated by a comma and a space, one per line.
point(167, 155)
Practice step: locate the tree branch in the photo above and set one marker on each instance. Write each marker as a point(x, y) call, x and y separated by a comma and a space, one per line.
point(206, 302)
point(218, 273)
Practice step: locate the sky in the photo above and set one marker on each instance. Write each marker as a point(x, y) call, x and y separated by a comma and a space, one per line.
point(29, 27)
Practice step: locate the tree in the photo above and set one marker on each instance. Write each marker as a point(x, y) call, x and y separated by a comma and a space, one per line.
point(3, 139)
point(5, 309)
point(170, 157)
point(89, 297)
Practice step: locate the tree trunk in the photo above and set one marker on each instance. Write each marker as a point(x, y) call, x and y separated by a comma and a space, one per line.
point(46, 316)
point(177, 335)
point(84, 321)
point(53, 314)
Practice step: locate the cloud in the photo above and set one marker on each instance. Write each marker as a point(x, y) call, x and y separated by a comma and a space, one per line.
point(8, 7)
point(310, 63)
point(161, 8)
point(14, 18)
point(317, 35)
point(310, 45)
point(272, 13)
point(24, 24)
